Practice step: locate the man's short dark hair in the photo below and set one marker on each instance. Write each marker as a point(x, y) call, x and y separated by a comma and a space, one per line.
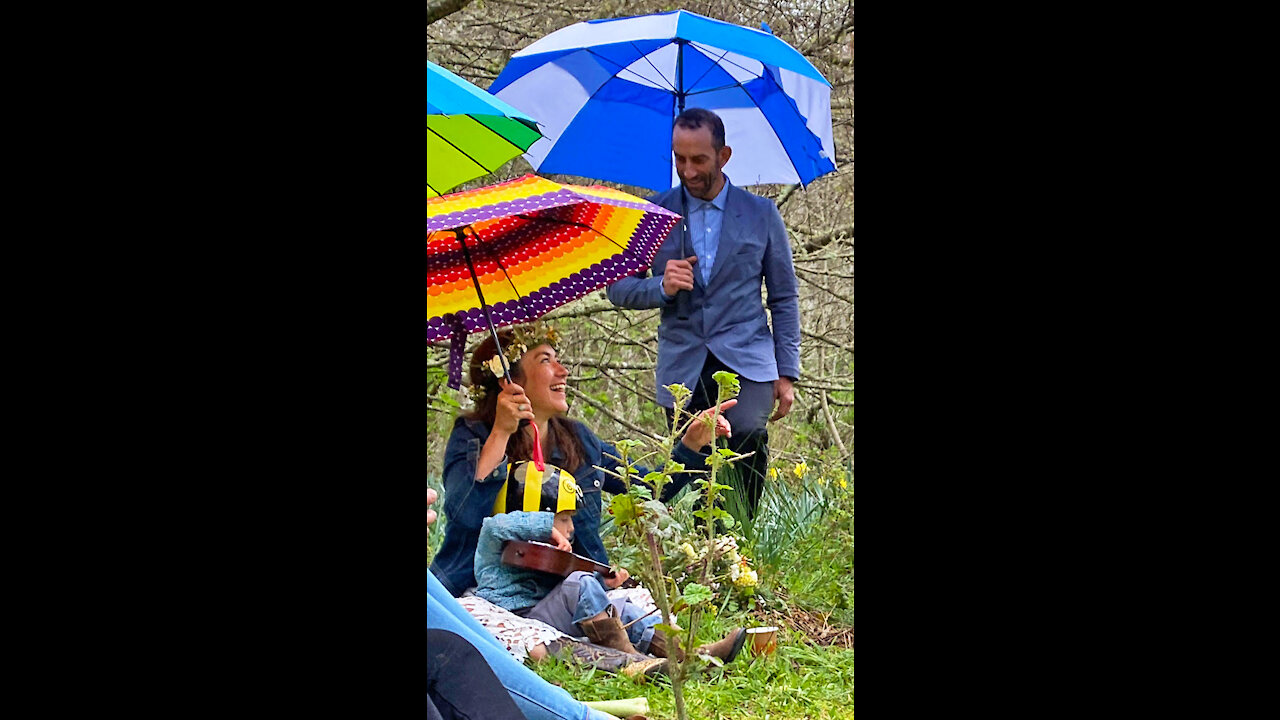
point(694, 118)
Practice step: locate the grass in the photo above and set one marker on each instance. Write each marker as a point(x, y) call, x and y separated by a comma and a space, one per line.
point(797, 682)
point(802, 546)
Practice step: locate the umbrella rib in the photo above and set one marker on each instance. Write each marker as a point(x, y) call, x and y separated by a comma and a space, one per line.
point(625, 68)
point(490, 131)
point(645, 57)
point(714, 89)
point(571, 222)
point(529, 312)
point(714, 65)
point(721, 59)
point(460, 150)
point(502, 137)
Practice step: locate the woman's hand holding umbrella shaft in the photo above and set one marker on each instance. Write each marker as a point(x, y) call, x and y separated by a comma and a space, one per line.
point(513, 406)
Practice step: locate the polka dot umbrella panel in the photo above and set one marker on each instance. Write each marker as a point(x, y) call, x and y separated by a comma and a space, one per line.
point(534, 245)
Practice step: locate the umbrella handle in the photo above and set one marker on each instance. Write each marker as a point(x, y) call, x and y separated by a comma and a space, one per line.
point(537, 449)
point(683, 297)
point(682, 304)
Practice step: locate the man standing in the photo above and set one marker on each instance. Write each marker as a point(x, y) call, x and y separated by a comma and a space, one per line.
point(734, 239)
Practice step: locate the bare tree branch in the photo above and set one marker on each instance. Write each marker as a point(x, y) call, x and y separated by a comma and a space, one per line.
point(832, 293)
point(444, 8)
point(831, 424)
point(609, 413)
point(817, 243)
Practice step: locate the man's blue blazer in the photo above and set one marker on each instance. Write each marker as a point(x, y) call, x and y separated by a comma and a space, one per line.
point(727, 314)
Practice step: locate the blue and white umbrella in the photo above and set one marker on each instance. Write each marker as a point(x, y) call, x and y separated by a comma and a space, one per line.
point(605, 93)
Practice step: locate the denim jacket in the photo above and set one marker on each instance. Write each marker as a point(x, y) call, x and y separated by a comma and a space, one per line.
point(467, 502)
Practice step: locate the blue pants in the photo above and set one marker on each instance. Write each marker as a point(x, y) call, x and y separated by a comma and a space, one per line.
point(536, 698)
point(581, 596)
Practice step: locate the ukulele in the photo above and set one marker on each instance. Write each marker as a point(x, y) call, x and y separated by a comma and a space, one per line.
point(533, 555)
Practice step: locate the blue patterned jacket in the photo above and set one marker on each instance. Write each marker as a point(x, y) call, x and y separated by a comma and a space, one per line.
point(503, 585)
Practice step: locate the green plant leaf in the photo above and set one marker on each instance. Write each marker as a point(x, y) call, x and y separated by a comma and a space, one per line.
point(696, 594)
point(623, 509)
point(667, 630)
point(712, 660)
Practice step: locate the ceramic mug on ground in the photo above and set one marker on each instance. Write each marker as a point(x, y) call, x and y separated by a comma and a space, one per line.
point(764, 640)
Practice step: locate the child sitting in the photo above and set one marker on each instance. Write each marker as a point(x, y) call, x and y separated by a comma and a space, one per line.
point(532, 506)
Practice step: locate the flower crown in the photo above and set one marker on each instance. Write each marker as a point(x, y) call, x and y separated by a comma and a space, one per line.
point(522, 338)
point(493, 366)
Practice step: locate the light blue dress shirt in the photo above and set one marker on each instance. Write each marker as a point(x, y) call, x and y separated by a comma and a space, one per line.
point(705, 219)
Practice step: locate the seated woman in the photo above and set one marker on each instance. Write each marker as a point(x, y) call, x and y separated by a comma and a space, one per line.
point(500, 432)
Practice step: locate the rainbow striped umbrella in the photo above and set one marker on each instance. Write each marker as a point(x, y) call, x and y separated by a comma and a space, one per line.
point(509, 253)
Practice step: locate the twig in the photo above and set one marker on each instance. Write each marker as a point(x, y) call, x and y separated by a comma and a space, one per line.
point(628, 425)
point(633, 622)
point(831, 423)
point(833, 293)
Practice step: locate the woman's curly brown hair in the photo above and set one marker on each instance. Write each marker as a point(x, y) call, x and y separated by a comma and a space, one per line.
point(561, 431)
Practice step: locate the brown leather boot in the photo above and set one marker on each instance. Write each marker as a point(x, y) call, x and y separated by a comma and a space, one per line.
point(659, 644)
point(606, 658)
point(728, 648)
point(608, 632)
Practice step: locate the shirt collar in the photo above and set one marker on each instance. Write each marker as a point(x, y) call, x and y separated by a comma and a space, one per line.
point(717, 201)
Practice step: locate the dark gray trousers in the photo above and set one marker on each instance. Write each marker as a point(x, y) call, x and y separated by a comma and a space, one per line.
point(749, 420)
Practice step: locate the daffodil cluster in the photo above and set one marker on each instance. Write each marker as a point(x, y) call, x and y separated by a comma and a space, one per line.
point(742, 575)
point(727, 562)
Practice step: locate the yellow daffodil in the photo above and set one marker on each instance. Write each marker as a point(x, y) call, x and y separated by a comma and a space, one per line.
point(688, 551)
point(800, 469)
point(773, 473)
point(843, 484)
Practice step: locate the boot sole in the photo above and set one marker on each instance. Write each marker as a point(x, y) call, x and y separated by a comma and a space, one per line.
point(738, 642)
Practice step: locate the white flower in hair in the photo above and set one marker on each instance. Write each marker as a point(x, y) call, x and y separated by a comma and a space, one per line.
point(495, 365)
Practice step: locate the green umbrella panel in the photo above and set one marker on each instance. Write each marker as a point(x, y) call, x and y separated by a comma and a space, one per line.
point(470, 133)
point(465, 147)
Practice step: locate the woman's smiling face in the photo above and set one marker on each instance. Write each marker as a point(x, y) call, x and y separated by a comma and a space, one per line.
point(544, 381)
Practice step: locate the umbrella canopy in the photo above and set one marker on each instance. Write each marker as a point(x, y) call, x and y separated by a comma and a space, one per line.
point(469, 132)
point(605, 93)
point(531, 245)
